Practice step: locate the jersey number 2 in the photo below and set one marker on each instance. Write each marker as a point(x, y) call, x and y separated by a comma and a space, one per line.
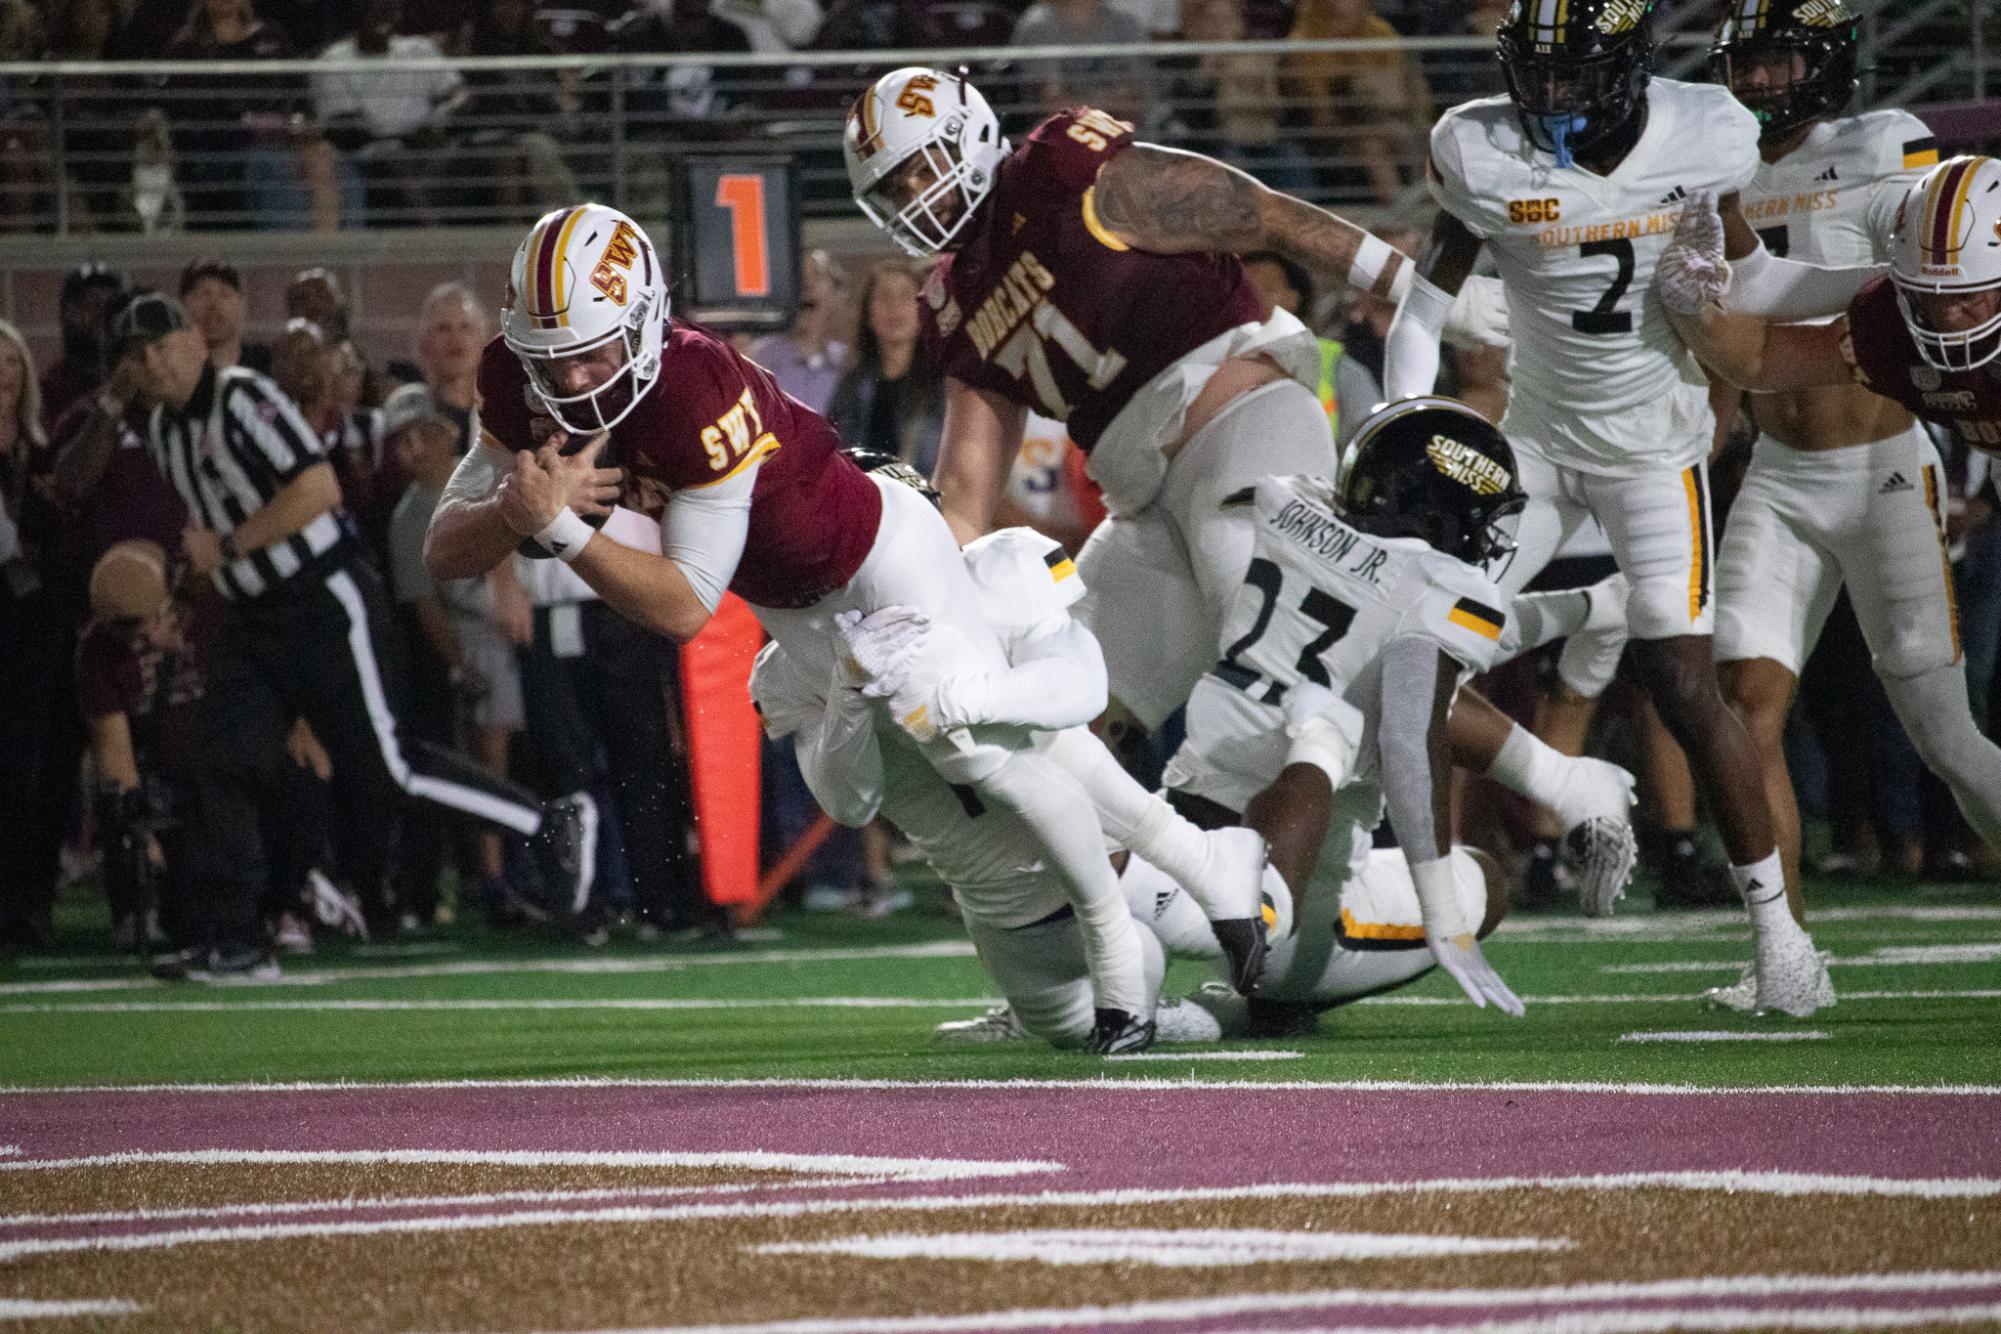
point(1332, 613)
point(1604, 318)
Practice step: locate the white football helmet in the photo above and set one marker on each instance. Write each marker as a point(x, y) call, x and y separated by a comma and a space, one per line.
point(586, 276)
point(1948, 241)
point(917, 113)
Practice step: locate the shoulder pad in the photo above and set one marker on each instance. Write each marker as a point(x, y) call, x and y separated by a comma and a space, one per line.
point(1023, 577)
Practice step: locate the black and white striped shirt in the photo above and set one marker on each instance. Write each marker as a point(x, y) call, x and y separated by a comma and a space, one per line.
point(235, 445)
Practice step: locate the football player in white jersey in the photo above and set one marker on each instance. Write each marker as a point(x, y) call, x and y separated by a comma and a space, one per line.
point(1844, 487)
point(1575, 179)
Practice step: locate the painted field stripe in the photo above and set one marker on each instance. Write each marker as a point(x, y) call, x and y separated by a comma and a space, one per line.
point(331, 1005)
point(1266, 1303)
point(1696, 1318)
point(560, 1003)
point(1165, 1248)
point(351, 1204)
point(1248, 1054)
point(896, 1169)
point(165, 1240)
point(1725, 1035)
point(26, 1308)
point(1100, 1083)
point(1895, 956)
point(937, 949)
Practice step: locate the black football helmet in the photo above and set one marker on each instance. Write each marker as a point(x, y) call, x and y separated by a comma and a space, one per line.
point(1576, 70)
point(1432, 468)
point(1787, 61)
point(894, 468)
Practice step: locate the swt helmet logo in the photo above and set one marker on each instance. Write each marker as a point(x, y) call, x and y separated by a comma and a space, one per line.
point(619, 253)
point(913, 100)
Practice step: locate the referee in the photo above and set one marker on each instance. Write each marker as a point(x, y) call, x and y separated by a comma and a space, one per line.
point(304, 614)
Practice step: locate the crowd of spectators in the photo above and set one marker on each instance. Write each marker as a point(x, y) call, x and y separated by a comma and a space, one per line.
point(385, 135)
point(133, 715)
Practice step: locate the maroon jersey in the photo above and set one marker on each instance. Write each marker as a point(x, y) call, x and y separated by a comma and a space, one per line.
point(1887, 361)
point(1039, 303)
point(709, 415)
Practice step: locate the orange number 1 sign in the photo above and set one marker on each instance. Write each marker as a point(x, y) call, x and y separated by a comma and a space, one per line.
point(743, 196)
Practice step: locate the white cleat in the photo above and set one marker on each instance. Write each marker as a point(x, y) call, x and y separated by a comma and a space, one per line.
point(1740, 997)
point(1791, 976)
point(1599, 847)
point(997, 1025)
point(1590, 657)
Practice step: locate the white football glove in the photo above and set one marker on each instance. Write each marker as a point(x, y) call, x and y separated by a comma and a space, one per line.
point(1459, 954)
point(876, 650)
point(1692, 271)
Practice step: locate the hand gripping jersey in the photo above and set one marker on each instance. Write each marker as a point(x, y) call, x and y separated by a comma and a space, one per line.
point(710, 414)
point(1888, 363)
point(1834, 199)
point(1042, 305)
point(1320, 602)
point(1577, 253)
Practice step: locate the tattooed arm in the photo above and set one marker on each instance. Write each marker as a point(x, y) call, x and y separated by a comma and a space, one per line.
point(1171, 202)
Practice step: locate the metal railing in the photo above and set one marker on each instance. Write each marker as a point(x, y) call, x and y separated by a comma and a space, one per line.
point(96, 148)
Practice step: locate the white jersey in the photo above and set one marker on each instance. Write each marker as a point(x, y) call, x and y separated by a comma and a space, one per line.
point(1834, 199)
point(1601, 382)
point(1320, 602)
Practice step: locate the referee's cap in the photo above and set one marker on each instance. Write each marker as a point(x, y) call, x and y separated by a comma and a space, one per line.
point(144, 317)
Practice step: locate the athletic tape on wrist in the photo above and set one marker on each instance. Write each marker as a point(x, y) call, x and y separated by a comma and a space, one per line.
point(565, 536)
point(1438, 896)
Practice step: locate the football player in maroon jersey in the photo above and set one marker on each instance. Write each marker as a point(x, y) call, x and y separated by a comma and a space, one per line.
point(752, 494)
point(1094, 278)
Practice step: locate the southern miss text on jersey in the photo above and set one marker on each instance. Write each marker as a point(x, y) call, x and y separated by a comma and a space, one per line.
point(1889, 363)
point(1042, 305)
point(1577, 250)
point(710, 414)
point(1834, 199)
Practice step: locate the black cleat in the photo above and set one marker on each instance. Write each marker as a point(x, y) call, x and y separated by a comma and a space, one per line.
point(1542, 888)
point(1243, 942)
point(1118, 1033)
point(1685, 882)
point(1277, 1020)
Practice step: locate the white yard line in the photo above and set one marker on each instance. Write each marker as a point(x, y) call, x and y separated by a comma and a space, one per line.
point(332, 1005)
point(1098, 1084)
point(27, 1308)
point(673, 963)
point(1725, 1035)
point(1246, 1054)
point(1477, 1299)
point(894, 1169)
point(350, 1204)
point(1697, 1318)
point(1773, 1183)
point(1162, 1248)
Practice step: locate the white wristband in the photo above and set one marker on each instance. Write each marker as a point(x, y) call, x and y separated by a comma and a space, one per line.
point(1438, 897)
point(1372, 256)
point(565, 536)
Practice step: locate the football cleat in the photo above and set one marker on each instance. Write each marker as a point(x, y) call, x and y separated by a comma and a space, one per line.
point(1740, 997)
point(1118, 1033)
point(997, 1025)
point(1792, 979)
point(1233, 871)
point(1244, 947)
point(335, 909)
point(1599, 847)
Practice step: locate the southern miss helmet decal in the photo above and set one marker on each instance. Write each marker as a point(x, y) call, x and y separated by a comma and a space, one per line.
point(1760, 44)
point(1431, 468)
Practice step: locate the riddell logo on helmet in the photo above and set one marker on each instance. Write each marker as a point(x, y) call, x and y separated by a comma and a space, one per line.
point(913, 100)
point(1467, 466)
point(619, 253)
point(1941, 271)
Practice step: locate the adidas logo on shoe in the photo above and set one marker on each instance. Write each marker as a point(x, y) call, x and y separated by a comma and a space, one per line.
point(1674, 196)
point(1827, 175)
point(1896, 483)
point(1161, 899)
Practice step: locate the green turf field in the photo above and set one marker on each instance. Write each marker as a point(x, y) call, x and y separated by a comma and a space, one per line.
point(1918, 968)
